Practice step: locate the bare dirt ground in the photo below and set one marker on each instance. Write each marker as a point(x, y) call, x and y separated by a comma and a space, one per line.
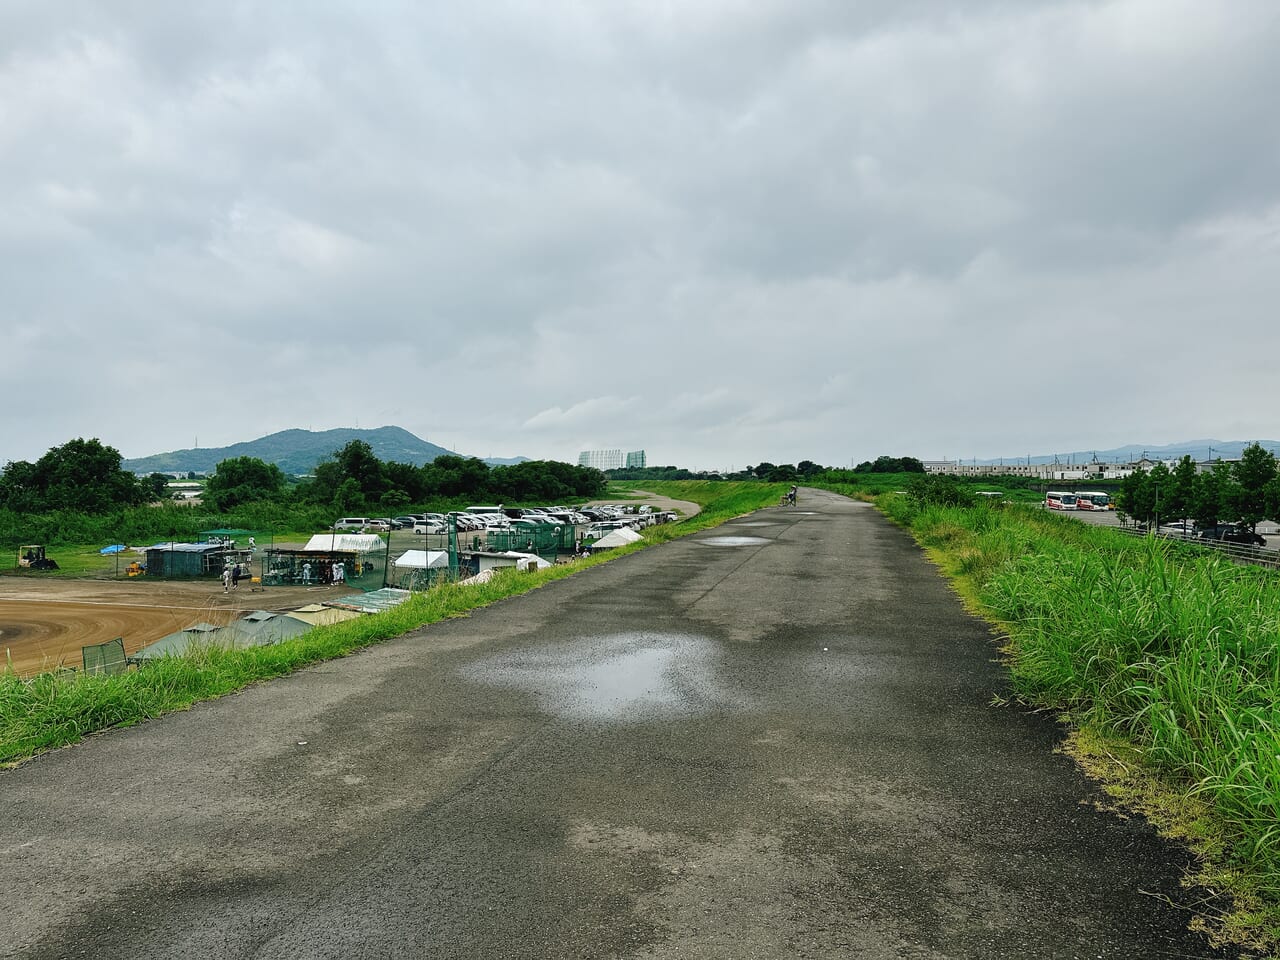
point(44, 622)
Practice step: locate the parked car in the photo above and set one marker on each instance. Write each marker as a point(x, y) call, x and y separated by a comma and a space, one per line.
point(1233, 533)
point(423, 527)
point(352, 523)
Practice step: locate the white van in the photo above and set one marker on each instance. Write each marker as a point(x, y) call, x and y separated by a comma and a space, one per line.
point(352, 523)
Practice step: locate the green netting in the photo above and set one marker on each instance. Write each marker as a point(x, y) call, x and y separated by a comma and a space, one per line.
point(544, 540)
point(303, 568)
point(102, 659)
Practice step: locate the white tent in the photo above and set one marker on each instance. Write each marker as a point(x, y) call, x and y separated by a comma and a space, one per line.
point(423, 559)
point(353, 542)
point(510, 558)
point(617, 538)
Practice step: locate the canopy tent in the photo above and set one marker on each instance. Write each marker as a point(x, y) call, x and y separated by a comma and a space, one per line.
point(617, 538)
point(420, 569)
point(224, 533)
point(352, 542)
point(508, 558)
point(423, 559)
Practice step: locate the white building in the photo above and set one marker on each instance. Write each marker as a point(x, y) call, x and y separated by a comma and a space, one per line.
point(611, 459)
point(601, 459)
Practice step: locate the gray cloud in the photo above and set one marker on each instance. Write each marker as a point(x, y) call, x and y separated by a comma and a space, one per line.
point(722, 231)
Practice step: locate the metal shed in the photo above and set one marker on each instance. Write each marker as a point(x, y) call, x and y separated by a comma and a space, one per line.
point(184, 559)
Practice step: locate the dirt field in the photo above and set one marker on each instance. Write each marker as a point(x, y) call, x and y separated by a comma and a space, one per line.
point(45, 622)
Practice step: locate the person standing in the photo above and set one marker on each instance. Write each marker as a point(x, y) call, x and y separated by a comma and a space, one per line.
point(339, 572)
point(306, 572)
point(226, 578)
point(235, 577)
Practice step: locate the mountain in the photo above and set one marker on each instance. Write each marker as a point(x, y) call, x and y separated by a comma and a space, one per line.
point(1197, 449)
point(296, 452)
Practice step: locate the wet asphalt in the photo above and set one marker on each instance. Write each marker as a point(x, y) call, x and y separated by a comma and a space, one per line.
point(774, 745)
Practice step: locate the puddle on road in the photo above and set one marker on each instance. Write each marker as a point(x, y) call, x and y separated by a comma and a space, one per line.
point(734, 541)
point(621, 677)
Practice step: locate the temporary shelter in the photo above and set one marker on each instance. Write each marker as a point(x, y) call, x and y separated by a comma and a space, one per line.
point(347, 542)
point(616, 538)
point(418, 569)
point(423, 559)
point(114, 548)
point(509, 558)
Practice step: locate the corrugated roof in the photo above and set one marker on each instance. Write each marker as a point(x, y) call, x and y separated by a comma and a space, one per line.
point(375, 601)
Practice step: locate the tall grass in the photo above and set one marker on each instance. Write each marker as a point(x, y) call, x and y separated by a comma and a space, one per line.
point(1172, 649)
point(52, 710)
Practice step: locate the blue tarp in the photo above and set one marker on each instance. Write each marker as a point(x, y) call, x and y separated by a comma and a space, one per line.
point(114, 548)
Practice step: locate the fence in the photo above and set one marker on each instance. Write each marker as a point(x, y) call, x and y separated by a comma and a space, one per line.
point(307, 568)
point(546, 540)
point(102, 659)
point(1238, 552)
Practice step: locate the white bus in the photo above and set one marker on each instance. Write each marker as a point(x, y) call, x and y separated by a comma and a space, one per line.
point(1060, 500)
point(1092, 500)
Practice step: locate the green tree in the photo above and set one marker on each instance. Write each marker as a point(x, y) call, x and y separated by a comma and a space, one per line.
point(1256, 469)
point(356, 463)
point(1182, 489)
point(1272, 498)
point(1161, 481)
point(1135, 496)
point(241, 480)
point(156, 486)
point(81, 474)
point(1207, 505)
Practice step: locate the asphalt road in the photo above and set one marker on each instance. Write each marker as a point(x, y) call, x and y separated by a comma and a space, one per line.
point(779, 745)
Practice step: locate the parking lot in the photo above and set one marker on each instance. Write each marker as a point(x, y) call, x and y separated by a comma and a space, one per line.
point(1108, 518)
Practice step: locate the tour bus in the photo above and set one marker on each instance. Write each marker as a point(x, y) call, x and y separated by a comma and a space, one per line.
point(1092, 500)
point(1060, 500)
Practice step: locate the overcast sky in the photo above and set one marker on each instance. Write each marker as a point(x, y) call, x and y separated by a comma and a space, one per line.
point(724, 231)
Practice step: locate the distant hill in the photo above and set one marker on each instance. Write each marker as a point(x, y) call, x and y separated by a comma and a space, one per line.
point(1197, 449)
point(296, 452)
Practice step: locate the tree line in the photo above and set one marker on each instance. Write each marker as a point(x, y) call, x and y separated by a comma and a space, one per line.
point(1244, 492)
point(79, 475)
point(78, 493)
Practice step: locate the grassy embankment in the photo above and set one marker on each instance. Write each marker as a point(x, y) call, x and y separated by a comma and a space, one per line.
point(52, 710)
point(1163, 658)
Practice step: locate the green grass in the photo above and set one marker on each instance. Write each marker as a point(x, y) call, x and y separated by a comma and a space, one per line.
point(53, 710)
point(1169, 651)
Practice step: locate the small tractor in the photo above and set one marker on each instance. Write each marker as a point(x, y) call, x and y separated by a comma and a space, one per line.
point(32, 557)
